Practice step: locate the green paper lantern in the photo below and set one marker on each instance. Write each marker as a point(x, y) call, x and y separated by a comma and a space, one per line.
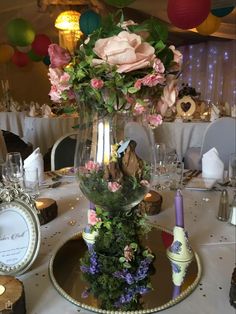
point(20, 32)
point(32, 55)
point(222, 11)
point(89, 21)
point(119, 3)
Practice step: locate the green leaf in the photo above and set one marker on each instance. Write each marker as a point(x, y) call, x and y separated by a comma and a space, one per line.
point(122, 259)
point(126, 265)
point(133, 90)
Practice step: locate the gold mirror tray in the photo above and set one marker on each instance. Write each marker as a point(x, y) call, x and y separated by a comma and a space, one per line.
point(64, 270)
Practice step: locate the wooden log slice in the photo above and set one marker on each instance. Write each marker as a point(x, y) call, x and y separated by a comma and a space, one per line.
point(151, 204)
point(12, 296)
point(47, 209)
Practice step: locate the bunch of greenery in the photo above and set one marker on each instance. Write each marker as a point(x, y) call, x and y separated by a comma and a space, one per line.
point(117, 268)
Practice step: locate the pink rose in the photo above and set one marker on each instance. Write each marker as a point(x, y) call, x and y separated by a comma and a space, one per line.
point(151, 80)
point(158, 66)
point(91, 166)
point(125, 50)
point(113, 186)
point(97, 83)
point(178, 57)
point(145, 183)
point(92, 217)
point(59, 56)
point(55, 94)
point(139, 109)
point(155, 120)
point(59, 78)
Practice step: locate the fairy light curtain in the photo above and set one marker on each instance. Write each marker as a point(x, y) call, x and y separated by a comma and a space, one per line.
point(210, 68)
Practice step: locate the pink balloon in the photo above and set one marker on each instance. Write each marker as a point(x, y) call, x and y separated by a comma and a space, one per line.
point(40, 44)
point(187, 14)
point(20, 59)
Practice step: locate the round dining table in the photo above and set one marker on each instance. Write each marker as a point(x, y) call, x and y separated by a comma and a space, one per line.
point(213, 240)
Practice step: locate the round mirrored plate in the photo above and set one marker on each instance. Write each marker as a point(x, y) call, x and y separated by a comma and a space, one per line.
point(65, 274)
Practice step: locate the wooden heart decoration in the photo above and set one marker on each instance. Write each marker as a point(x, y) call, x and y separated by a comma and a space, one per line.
point(185, 106)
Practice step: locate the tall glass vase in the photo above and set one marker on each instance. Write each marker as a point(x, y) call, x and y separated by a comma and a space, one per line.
point(114, 159)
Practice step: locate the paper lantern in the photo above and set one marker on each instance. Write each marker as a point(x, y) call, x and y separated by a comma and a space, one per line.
point(222, 11)
point(209, 26)
point(6, 53)
point(34, 57)
point(20, 59)
point(46, 60)
point(187, 14)
point(20, 32)
point(89, 21)
point(119, 3)
point(40, 44)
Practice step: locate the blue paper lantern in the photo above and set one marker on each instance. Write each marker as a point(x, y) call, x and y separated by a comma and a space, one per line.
point(46, 60)
point(222, 11)
point(89, 21)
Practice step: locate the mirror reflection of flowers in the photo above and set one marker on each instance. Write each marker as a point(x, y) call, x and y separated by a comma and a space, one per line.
point(121, 66)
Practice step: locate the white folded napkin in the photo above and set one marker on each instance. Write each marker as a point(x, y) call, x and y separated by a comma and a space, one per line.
point(46, 111)
point(212, 165)
point(35, 161)
point(32, 112)
point(215, 113)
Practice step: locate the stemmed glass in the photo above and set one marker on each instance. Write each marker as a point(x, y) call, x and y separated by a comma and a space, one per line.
point(14, 167)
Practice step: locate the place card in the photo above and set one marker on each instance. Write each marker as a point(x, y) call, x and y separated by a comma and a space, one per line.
point(19, 231)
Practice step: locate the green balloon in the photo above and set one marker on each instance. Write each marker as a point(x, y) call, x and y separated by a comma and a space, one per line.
point(20, 32)
point(32, 55)
point(119, 3)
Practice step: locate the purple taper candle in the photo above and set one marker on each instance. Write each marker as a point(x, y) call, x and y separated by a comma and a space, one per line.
point(176, 291)
point(179, 209)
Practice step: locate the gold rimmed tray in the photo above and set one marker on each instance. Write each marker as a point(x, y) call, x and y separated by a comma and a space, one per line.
point(65, 274)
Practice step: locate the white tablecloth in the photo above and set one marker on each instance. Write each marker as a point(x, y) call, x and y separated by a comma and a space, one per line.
point(12, 122)
point(43, 132)
point(180, 136)
point(213, 240)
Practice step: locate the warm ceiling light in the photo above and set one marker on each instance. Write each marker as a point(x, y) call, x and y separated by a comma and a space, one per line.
point(68, 20)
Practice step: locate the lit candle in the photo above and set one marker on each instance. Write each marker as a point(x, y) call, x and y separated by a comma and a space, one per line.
point(179, 209)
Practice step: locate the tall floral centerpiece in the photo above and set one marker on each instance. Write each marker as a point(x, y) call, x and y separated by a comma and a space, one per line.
point(123, 77)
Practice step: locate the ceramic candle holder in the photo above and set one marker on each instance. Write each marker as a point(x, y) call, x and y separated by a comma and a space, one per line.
point(180, 249)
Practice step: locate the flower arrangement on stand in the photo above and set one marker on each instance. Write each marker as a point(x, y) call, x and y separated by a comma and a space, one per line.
point(122, 69)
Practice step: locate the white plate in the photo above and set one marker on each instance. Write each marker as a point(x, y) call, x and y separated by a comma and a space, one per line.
point(200, 184)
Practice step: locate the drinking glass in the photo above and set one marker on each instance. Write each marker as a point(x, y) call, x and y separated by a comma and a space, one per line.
point(232, 169)
point(31, 182)
point(176, 175)
point(14, 167)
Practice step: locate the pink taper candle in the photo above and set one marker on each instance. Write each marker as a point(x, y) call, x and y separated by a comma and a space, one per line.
point(179, 209)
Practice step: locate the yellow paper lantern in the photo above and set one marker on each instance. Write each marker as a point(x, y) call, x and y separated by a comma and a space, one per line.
point(6, 53)
point(209, 26)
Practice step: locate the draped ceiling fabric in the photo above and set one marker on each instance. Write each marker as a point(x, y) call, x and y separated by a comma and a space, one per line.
point(210, 68)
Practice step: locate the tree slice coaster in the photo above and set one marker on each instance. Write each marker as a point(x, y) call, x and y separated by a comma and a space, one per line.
point(47, 208)
point(151, 204)
point(12, 296)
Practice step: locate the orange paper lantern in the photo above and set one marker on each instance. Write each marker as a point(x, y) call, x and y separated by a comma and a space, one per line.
point(6, 53)
point(209, 26)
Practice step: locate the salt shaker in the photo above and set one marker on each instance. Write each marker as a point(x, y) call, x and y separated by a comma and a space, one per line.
point(232, 215)
point(223, 206)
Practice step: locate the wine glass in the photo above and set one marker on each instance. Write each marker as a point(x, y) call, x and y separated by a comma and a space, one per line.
point(232, 169)
point(14, 166)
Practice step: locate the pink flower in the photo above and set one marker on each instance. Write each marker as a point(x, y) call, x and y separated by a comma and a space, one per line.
point(91, 166)
point(145, 183)
point(59, 78)
point(158, 66)
point(151, 80)
point(139, 109)
point(170, 93)
point(128, 253)
point(92, 217)
point(55, 94)
point(178, 57)
point(138, 84)
point(59, 56)
point(155, 120)
point(125, 50)
point(97, 83)
point(113, 186)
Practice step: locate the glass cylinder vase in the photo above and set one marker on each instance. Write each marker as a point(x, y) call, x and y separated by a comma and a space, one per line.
point(114, 159)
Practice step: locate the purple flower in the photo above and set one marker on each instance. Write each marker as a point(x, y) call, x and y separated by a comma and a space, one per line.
point(94, 267)
point(85, 294)
point(176, 268)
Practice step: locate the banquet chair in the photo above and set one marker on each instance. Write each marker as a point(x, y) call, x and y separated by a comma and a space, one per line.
point(63, 151)
point(220, 134)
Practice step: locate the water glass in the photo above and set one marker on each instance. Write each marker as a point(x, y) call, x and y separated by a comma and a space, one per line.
point(232, 169)
point(176, 175)
point(31, 182)
point(14, 166)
